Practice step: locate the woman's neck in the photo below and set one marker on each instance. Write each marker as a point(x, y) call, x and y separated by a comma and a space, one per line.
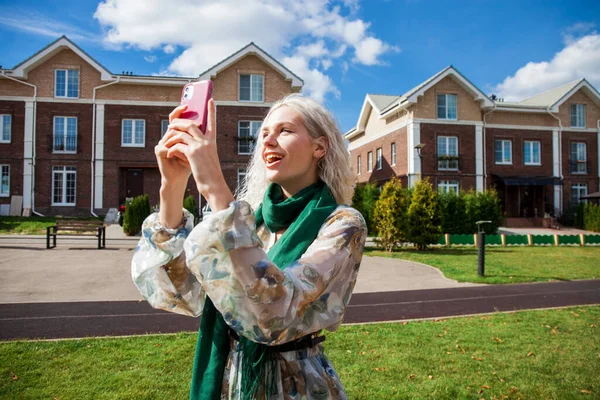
point(291, 189)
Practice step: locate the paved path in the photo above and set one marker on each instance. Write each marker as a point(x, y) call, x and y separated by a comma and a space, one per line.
point(75, 320)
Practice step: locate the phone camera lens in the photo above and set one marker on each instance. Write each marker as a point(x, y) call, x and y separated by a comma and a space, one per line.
point(187, 88)
point(185, 96)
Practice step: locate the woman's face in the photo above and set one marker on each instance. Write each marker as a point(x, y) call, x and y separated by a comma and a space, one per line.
point(289, 153)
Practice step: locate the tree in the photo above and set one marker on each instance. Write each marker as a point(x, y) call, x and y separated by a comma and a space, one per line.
point(390, 214)
point(424, 216)
point(363, 200)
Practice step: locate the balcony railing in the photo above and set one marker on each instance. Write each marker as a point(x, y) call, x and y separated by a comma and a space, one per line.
point(579, 167)
point(447, 163)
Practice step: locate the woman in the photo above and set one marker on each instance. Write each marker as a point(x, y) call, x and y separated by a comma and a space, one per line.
point(265, 283)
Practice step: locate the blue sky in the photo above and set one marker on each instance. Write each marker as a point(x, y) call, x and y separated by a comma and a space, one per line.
point(343, 49)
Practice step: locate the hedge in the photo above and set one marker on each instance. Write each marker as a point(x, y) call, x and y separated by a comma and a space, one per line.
point(135, 213)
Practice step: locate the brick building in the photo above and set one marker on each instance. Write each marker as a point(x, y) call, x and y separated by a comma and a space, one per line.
point(77, 139)
point(541, 154)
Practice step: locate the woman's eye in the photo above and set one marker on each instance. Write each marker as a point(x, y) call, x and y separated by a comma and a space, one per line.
point(286, 130)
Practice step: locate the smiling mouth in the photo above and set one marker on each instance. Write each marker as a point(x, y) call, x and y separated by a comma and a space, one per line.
point(273, 160)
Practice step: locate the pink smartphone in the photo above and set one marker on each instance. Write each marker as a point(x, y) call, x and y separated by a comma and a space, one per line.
point(196, 96)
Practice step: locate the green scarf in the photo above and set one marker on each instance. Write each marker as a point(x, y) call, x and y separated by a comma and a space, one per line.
point(303, 214)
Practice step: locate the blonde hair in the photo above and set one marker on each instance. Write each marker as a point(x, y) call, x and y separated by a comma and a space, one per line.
point(334, 168)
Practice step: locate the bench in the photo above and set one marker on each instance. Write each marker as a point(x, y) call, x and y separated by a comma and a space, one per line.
point(76, 228)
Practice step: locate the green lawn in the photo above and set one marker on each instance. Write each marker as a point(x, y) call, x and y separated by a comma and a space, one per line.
point(29, 225)
point(545, 354)
point(507, 264)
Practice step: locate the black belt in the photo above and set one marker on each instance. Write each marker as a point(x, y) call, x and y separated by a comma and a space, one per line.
point(298, 344)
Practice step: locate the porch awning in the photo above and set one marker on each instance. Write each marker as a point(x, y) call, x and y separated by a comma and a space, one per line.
point(591, 196)
point(531, 180)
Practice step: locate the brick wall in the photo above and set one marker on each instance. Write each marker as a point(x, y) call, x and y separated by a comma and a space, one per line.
point(122, 91)
point(524, 118)
point(591, 177)
point(226, 83)
point(467, 107)
point(592, 111)
point(518, 167)
point(387, 171)
point(43, 75)
point(46, 159)
point(12, 153)
point(466, 151)
point(11, 88)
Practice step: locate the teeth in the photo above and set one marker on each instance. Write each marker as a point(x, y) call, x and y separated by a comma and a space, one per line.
point(271, 158)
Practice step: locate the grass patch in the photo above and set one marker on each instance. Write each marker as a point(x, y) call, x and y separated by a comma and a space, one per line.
point(545, 354)
point(506, 264)
point(31, 225)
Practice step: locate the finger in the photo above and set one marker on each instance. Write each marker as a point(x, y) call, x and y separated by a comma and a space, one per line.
point(177, 112)
point(211, 131)
point(188, 126)
point(181, 137)
point(178, 151)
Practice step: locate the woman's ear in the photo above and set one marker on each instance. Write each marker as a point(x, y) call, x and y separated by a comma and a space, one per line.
point(321, 146)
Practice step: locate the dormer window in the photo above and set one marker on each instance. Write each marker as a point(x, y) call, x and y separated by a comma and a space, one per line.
point(578, 115)
point(446, 106)
point(66, 83)
point(251, 88)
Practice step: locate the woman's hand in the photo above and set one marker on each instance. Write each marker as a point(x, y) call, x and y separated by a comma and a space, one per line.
point(199, 149)
point(175, 171)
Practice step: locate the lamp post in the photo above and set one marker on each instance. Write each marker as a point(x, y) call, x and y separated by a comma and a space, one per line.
point(418, 148)
point(481, 247)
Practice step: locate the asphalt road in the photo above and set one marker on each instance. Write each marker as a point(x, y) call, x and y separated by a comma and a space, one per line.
point(83, 319)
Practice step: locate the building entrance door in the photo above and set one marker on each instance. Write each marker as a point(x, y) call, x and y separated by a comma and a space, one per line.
point(134, 183)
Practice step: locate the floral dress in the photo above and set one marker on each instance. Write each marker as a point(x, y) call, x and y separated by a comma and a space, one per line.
point(225, 258)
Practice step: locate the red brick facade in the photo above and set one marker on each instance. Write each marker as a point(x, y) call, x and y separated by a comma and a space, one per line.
point(11, 154)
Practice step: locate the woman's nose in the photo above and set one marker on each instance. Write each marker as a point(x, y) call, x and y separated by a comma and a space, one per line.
point(269, 140)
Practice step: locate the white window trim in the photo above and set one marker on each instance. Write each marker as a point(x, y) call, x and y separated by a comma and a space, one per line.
point(239, 172)
point(584, 160)
point(511, 152)
point(66, 83)
point(1, 167)
point(64, 135)
point(584, 125)
point(445, 185)
point(579, 186)
point(531, 152)
point(446, 116)
point(447, 145)
point(133, 144)
point(2, 128)
point(358, 165)
point(263, 89)
point(64, 188)
point(370, 161)
point(379, 159)
point(162, 133)
point(393, 153)
point(239, 137)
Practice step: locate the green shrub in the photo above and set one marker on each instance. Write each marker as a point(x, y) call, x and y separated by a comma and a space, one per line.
point(189, 203)
point(579, 216)
point(364, 200)
point(454, 216)
point(390, 214)
point(135, 213)
point(591, 217)
point(424, 216)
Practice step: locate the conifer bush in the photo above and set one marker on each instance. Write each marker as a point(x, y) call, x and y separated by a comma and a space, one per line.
point(189, 203)
point(390, 214)
point(364, 200)
point(135, 213)
point(424, 216)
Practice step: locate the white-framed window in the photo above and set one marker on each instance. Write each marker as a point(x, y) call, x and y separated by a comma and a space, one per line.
point(66, 83)
point(133, 133)
point(5, 128)
point(578, 158)
point(532, 153)
point(448, 187)
point(358, 165)
point(4, 180)
point(446, 106)
point(379, 155)
point(503, 151)
point(578, 191)
point(164, 127)
point(65, 135)
point(393, 151)
point(578, 115)
point(447, 152)
point(241, 177)
point(251, 87)
point(370, 161)
point(247, 134)
point(63, 186)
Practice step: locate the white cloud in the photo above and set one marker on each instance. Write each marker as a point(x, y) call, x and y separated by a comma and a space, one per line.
point(579, 58)
point(30, 22)
point(150, 59)
point(308, 37)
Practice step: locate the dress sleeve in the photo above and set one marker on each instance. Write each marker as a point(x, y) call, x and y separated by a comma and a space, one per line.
point(159, 270)
point(262, 302)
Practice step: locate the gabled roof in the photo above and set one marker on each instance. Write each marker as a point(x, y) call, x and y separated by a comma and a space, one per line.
point(20, 71)
point(375, 102)
point(253, 49)
point(550, 97)
point(411, 96)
